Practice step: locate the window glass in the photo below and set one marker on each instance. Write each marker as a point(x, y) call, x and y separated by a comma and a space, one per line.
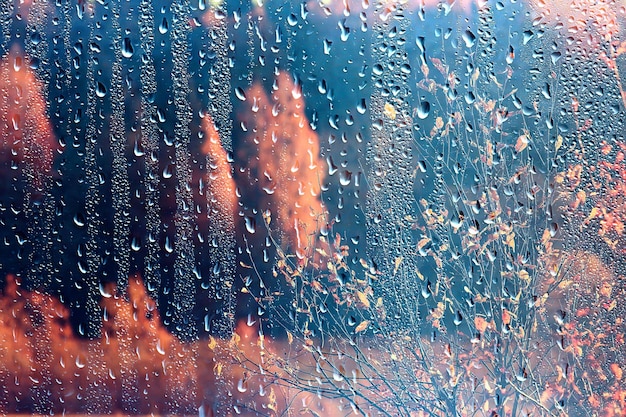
point(376, 207)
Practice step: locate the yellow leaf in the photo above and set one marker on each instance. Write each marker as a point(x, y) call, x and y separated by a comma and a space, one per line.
point(438, 261)
point(419, 275)
point(218, 369)
point(362, 326)
point(322, 252)
point(559, 142)
point(594, 213)
point(212, 343)
point(423, 241)
point(617, 371)
point(363, 299)
point(510, 240)
point(390, 111)
point(523, 274)
point(272, 400)
point(397, 264)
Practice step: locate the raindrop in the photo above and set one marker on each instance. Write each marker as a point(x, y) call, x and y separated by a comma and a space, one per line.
point(169, 247)
point(168, 171)
point(15, 121)
point(292, 20)
point(101, 90)
point(345, 177)
point(458, 319)
point(241, 95)
point(469, 38)
point(296, 91)
point(528, 35)
point(457, 220)
point(361, 107)
point(138, 150)
point(163, 27)
point(345, 30)
point(546, 91)
point(135, 244)
point(242, 385)
point(127, 48)
point(327, 45)
point(423, 110)
point(104, 291)
point(332, 168)
point(79, 220)
point(35, 38)
point(250, 224)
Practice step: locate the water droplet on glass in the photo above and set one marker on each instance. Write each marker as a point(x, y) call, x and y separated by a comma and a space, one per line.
point(469, 38)
point(169, 247)
point(101, 90)
point(241, 95)
point(168, 171)
point(127, 48)
point(242, 385)
point(250, 224)
point(79, 220)
point(163, 27)
point(361, 107)
point(135, 244)
point(296, 91)
point(423, 110)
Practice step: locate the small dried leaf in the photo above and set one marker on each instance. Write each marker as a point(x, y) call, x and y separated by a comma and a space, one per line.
point(212, 343)
point(522, 143)
point(398, 261)
point(363, 299)
point(559, 142)
point(390, 111)
point(480, 323)
point(362, 326)
point(423, 242)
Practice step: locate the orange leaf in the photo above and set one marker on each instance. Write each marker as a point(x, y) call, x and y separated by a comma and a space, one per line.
point(506, 317)
point(617, 371)
point(522, 143)
point(362, 326)
point(480, 323)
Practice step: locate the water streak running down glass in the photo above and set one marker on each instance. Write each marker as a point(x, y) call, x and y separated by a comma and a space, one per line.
point(327, 208)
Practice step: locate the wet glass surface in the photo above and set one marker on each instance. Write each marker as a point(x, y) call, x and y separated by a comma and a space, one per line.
point(402, 208)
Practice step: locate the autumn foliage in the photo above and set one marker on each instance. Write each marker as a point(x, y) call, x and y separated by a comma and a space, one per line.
point(282, 159)
point(25, 129)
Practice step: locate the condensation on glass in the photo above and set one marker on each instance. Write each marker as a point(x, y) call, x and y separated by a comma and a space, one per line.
point(372, 207)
